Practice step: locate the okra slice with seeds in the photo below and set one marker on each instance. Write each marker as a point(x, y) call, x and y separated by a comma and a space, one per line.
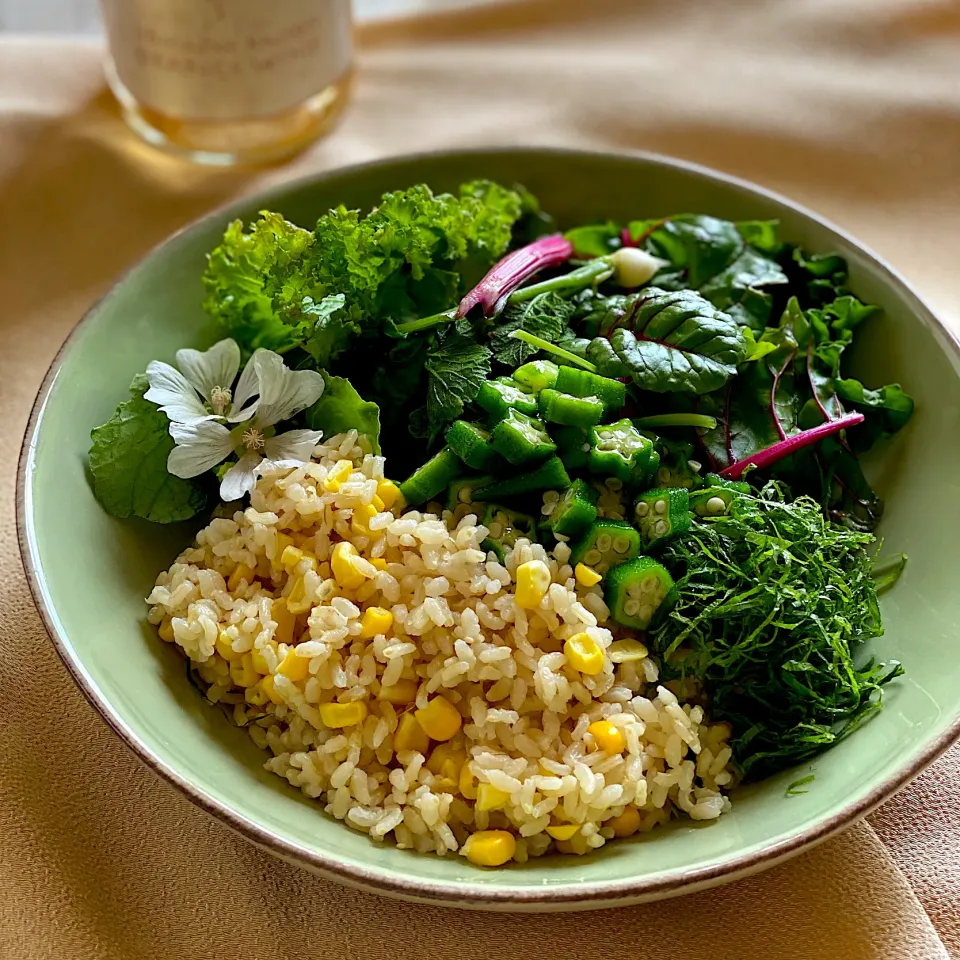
point(583, 383)
point(569, 411)
point(547, 476)
point(522, 439)
point(504, 528)
point(460, 492)
point(537, 374)
point(636, 591)
point(606, 544)
point(573, 446)
point(430, 479)
point(568, 514)
point(620, 450)
point(498, 397)
point(471, 443)
point(715, 498)
point(662, 513)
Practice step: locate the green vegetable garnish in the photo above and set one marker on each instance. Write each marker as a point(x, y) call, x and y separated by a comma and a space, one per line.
point(128, 462)
point(522, 439)
point(773, 604)
point(605, 544)
point(341, 408)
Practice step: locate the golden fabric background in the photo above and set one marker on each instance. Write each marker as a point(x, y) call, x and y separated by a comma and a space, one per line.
point(849, 106)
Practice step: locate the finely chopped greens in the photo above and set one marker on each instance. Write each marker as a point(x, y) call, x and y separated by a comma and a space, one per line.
point(627, 463)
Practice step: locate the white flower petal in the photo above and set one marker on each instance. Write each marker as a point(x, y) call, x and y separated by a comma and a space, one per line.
point(216, 367)
point(295, 445)
point(241, 478)
point(199, 447)
point(248, 387)
point(283, 392)
point(171, 391)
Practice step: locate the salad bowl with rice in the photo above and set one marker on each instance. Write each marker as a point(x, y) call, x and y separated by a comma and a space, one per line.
point(508, 546)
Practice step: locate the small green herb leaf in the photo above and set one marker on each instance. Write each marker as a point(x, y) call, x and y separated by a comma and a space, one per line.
point(793, 789)
point(341, 408)
point(128, 462)
point(457, 369)
point(545, 316)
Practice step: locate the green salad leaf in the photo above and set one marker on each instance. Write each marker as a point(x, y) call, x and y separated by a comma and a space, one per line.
point(128, 463)
point(668, 341)
point(457, 368)
point(544, 316)
point(773, 603)
point(341, 408)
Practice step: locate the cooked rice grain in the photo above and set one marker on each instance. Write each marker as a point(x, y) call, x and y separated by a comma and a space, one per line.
point(458, 633)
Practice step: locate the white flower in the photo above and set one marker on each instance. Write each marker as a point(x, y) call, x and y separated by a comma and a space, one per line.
point(203, 442)
point(206, 378)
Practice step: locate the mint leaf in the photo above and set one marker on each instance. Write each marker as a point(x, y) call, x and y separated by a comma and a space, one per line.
point(341, 408)
point(128, 462)
point(544, 316)
point(457, 368)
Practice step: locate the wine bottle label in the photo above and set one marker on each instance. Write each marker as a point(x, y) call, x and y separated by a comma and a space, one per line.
point(227, 59)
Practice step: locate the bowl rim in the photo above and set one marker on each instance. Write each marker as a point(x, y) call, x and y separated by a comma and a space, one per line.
point(572, 895)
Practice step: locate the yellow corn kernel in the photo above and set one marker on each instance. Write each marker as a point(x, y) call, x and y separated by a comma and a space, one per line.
point(627, 650)
point(563, 831)
point(490, 797)
point(440, 719)
point(224, 646)
point(344, 572)
point(166, 630)
point(378, 503)
point(378, 562)
point(285, 621)
point(242, 671)
point(360, 521)
point(490, 848)
point(533, 581)
point(290, 557)
point(297, 601)
point(586, 576)
point(240, 572)
point(627, 824)
point(259, 661)
point(338, 473)
point(256, 696)
point(583, 653)
point(375, 620)
point(295, 668)
point(400, 693)
point(444, 785)
point(270, 689)
point(607, 736)
point(410, 736)
point(343, 714)
point(468, 783)
point(283, 541)
point(443, 754)
point(388, 492)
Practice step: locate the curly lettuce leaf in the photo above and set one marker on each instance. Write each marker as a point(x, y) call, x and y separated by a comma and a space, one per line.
point(341, 408)
point(128, 463)
point(244, 274)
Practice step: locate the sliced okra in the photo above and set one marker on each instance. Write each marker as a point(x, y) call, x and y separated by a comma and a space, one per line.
point(537, 375)
point(570, 411)
point(430, 479)
point(662, 513)
point(504, 528)
point(606, 544)
point(636, 591)
point(460, 491)
point(620, 450)
point(715, 498)
point(568, 514)
point(498, 397)
point(471, 443)
point(548, 476)
point(583, 383)
point(522, 439)
point(573, 446)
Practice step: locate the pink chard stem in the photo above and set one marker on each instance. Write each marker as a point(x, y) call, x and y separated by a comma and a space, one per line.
point(770, 455)
point(516, 267)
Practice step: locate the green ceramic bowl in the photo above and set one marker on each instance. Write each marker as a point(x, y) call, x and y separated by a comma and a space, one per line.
point(90, 572)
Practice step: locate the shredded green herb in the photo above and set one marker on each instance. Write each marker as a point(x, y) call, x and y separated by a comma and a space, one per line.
point(793, 789)
point(772, 604)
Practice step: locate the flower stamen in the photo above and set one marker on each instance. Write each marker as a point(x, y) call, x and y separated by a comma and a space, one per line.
point(253, 439)
point(220, 398)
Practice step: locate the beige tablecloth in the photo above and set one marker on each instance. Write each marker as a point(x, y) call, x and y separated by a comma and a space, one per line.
point(850, 106)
